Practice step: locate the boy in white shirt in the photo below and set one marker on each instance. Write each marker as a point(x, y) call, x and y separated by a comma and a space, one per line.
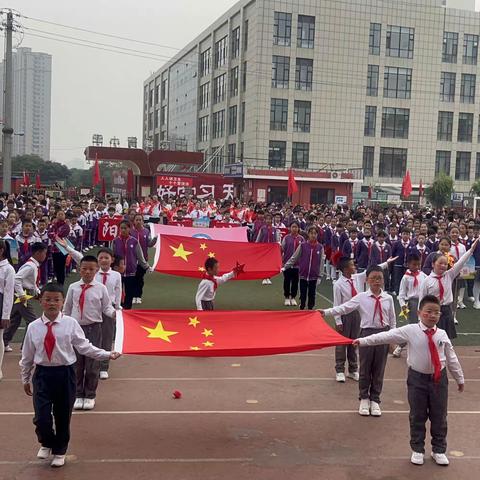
point(429, 352)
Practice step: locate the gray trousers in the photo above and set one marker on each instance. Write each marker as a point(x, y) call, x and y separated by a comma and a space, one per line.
point(351, 329)
point(89, 368)
point(372, 367)
point(428, 401)
point(108, 334)
point(19, 311)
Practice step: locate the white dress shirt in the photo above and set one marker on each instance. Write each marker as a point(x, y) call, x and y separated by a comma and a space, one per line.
point(68, 335)
point(26, 278)
point(97, 302)
point(430, 286)
point(365, 305)
point(113, 284)
point(418, 357)
point(407, 289)
point(458, 250)
point(7, 287)
point(206, 289)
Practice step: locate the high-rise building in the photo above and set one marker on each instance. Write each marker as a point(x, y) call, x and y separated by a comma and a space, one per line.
point(32, 80)
point(384, 86)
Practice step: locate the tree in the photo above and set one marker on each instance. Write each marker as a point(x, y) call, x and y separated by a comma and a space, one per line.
point(440, 192)
point(50, 172)
point(475, 190)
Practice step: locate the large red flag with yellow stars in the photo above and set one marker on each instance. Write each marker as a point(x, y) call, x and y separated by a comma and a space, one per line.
point(222, 333)
point(185, 257)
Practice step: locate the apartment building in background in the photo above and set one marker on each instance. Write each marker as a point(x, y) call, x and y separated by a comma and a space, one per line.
point(334, 89)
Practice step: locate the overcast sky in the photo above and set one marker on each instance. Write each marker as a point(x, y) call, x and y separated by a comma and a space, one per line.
point(95, 91)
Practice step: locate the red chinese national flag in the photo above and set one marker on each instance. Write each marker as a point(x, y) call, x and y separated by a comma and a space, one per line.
point(185, 257)
point(292, 184)
point(407, 185)
point(38, 183)
point(222, 333)
point(96, 172)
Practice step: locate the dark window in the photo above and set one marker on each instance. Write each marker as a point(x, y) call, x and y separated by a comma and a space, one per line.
point(304, 74)
point(242, 151)
point(470, 49)
point(302, 116)
point(477, 167)
point(164, 89)
point(221, 52)
point(397, 82)
point(282, 29)
point(465, 127)
point(277, 154)
point(450, 47)
point(242, 116)
point(157, 88)
point(244, 76)
point(232, 153)
point(372, 81)
point(375, 38)
point(393, 162)
point(442, 162)
point(447, 87)
point(279, 114)
point(400, 41)
point(203, 130)
point(280, 71)
point(219, 88)
point(462, 166)
point(370, 121)
point(205, 62)
point(300, 155)
point(467, 89)
point(368, 159)
point(306, 31)
point(445, 126)
point(157, 116)
point(234, 82)
point(245, 35)
point(218, 124)
point(163, 115)
point(395, 122)
point(322, 196)
point(235, 42)
point(232, 120)
point(205, 95)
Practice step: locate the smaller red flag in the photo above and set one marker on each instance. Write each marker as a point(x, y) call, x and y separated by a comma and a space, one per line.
point(26, 178)
point(103, 191)
point(96, 172)
point(292, 184)
point(407, 185)
point(420, 189)
point(130, 181)
point(370, 192)
point(38, 183)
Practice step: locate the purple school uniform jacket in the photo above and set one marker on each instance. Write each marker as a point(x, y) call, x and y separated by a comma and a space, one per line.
point(289, 245)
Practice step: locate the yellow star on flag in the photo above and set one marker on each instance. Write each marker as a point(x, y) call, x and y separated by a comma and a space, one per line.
point(211, 255)
point(208, 344)
point(203, 246)
point(159, 332)
point(207, 333)
point(194, 321)
point(181, 252)
point(201, 269)
point(194, 348)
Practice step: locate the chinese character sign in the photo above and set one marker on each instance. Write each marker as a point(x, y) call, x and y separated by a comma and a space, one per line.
point(203, 186)
point(108, 228)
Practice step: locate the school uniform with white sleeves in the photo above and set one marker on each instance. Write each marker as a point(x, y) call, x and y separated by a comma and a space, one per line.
point(441, 286)
point(87, 303)
point(409, 292)
point(207, 289)
point(429, 352)
point(377, 314)
point(7, 286)
point(27, 281)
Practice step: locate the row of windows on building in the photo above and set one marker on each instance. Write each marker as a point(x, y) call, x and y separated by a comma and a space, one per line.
point(464, 130)
point(282, 30)
point(400, 42)
point(159, 93)
point(221, 50)
point(220, 121)
point(281, 73)
point(393, 163)
point(302, 113)
point(277, 154)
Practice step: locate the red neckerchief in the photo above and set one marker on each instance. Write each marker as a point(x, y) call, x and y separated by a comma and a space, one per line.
point(415, 275)
point(206, 276)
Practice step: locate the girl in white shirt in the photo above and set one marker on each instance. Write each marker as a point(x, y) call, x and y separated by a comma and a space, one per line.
point(7, 284)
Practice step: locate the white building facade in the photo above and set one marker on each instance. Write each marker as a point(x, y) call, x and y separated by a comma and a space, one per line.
point(32, 79)
point(383, 86)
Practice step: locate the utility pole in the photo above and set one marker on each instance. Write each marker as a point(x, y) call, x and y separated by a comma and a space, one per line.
point(8, 107)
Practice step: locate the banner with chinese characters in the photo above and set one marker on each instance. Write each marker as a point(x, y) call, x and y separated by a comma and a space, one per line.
point(119, 182)
point(108, 228)
point(186, 333)
point(174, 181)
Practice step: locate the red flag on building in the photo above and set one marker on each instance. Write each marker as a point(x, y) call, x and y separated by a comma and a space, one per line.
point(103, 191)
point(38, 183)
point(185, 257)
point(406, 185)
point(208, 334)
point(370, 192)
point(26, 178)
point(420, 189)
point(96, 172)
point(130, 181)
point(292, 184)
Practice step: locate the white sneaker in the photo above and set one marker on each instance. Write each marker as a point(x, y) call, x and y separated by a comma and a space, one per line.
point(364, 408)
point(455, 321)
point(476, 305)
point(340, 377)
point(440, 459)
point(264, 282)
point(58, 461)
point(397, 353)
point(354, 376)
point(375, 410)
point(134, 300)
point(44, 453)
point(88, 403)
point(269, 282)
point(103, 375)
point(287, 302)
point(139, 300)
point(78, 405)
point(294, 302)
point(461, 305)
point(417, 458)
point(74, 270)
point(471, 299)
point(8, 348)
